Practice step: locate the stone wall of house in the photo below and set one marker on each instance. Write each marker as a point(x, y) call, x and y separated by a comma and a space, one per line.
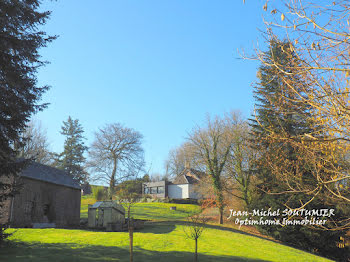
point(43, 202)
point(180, 191)
point(193, 192)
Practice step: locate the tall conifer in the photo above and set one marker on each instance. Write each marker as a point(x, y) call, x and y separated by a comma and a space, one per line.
point(72, 158)
point(279, 112)
point(20, 41)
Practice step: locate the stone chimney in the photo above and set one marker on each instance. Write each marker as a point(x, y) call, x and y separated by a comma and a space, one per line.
point(187, 164)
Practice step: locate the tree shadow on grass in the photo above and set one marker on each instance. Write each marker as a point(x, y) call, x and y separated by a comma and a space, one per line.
point(164, 227)
point(38, 252)
point(158, 228)
point(173, 224)
point(168, 225)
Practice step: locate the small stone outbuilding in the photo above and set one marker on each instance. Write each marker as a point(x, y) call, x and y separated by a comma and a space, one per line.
point(106, 214)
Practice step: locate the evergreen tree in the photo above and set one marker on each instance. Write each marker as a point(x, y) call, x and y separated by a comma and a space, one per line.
point(20, 41)
point(72, 158)
point(273, 117)
point(280, 113)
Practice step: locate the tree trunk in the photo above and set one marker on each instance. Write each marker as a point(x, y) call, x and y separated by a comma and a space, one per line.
point(246, 195)
point(1, 234)
point(131, 237)
point(219, 197)
point(221, 215)
point(129, 208)
point(196, 250)
point(112, 180)
point(220, 204)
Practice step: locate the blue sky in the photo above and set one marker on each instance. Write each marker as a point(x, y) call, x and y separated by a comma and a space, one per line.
point(157, 66)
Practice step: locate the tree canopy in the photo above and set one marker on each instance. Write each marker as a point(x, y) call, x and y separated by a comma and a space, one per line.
point(20, 41)
point(116, 154)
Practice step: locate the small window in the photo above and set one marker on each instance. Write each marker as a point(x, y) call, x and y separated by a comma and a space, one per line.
point(147, 191)
point(160, 190)
point(153, 190)
point(46, 209)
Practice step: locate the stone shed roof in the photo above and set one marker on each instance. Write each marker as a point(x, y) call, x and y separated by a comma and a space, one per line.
point(49, 174)
point(108, 204)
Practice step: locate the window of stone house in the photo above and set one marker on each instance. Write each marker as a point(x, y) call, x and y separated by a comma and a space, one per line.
point(160, 190)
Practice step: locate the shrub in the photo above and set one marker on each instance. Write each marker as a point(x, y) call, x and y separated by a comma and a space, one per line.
point(166, 200)
point(145, 198)
point(3, 235)
point(100, 193)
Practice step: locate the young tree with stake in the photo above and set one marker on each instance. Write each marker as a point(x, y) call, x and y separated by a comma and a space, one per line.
point(194, 230)
point(128, 196)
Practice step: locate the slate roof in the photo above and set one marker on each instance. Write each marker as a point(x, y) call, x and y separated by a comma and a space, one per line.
point(181, 179)
point(49, 174)
point(108, 204)
point(188, 176)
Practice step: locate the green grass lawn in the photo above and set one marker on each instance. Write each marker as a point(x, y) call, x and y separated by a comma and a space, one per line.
point(156, 242)
point(150, 211)
point(160, 240)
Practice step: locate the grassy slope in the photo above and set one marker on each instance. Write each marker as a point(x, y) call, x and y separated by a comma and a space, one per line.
point(158, 241)
point(150, 211)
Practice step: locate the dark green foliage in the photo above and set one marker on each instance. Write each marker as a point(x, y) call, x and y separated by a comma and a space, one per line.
point(20, 41)
point(146, 178)
point(133, 186)
point(100, 193)
point(277, 112)
point(312, 239)
point(273, 116)
point(4, 235)
point(72, 158)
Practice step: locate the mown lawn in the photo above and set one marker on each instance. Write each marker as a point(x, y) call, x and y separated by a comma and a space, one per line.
point(161, 240)
point(156, 242)
point(150, 211)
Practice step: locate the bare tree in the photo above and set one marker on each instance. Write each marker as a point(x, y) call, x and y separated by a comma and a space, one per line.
point(212, 144)
point(240, 164)
point(127, 196)
point(116, 154)
point(180, 158)
point(36, 144)
point(155, 177)
point(194, 230)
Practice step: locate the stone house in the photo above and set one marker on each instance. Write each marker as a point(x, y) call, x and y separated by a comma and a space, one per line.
point(47, 196)
point(183, 187)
